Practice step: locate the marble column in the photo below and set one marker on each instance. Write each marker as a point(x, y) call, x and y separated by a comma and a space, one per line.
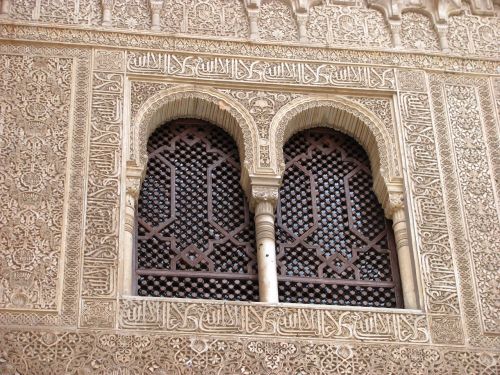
point(406, 270)
point(266, 250)
point(133, 186)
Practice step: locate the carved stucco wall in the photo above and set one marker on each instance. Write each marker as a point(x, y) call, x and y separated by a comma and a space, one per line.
point(72, 101)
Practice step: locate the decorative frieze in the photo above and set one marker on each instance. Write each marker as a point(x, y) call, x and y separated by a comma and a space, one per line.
point(103, 353)
point(206, 318)
point(259, 71)
point(115, 39)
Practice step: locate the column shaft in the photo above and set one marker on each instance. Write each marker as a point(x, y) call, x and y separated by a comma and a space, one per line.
point(406, 271)
point(266, 252)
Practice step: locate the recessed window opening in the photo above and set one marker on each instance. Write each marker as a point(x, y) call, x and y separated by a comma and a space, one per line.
point(334, 245)
point(195, 235)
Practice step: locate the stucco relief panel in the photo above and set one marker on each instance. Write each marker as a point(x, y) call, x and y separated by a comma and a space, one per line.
point(474, 34)
point(42, 136)
point(103, 353)
point(100, 256)
point(418, 33)
point(465, 108)
point(441, 297)
point(277, 21)
point(132, 14)
point(35, 103)
point(83, 12)
point(225, 18)
point(344, 25)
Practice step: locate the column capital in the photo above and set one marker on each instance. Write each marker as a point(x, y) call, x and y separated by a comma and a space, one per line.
point(394, 199)
point(264, 189)
point(133, 178)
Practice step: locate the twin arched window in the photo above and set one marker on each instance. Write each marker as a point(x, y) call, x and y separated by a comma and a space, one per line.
point(195, 234)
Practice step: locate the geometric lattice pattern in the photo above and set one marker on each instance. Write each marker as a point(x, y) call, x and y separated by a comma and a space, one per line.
point(195, 234)
point(334, 245)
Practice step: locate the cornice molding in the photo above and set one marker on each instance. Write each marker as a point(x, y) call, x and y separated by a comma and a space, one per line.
point(87, 37)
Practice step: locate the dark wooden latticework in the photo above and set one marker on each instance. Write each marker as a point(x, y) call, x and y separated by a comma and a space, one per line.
point(334, 244)
point(195, 235)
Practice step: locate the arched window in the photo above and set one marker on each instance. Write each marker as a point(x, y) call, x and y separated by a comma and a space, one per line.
point(195, 234)
point(333, 243)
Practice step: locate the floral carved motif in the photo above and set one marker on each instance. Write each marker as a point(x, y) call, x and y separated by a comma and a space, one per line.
point(84, 12)
point(474, 34)
point(341, 25)
point(417, 32)
point(132, 14)
point(42, 132)
point(262, 105)
point(141, 91)
point(103, 353)
point(277, 21)
point(34, 104)
point(205, 17)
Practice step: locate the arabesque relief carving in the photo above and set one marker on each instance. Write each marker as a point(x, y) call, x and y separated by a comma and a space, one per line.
point(104, 353)
point(74, 119)
point(35, 110)
point(425, 25)
point(468, 129)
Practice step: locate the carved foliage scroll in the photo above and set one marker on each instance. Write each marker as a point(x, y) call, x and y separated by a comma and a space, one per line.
point(277, 21)
point(84, 12)
point(417, 32)
point(34, 103)
point(205, 17)
point(474, 34)
point(341, 25)
point(132, 14)
point(103, 353)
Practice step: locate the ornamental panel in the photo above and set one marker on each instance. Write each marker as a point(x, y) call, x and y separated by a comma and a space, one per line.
point(277, 21)
point(342, 25)
point(42, 132)
point(418, 33)
point(226, 18)
point(35, 107)
point(83, 12)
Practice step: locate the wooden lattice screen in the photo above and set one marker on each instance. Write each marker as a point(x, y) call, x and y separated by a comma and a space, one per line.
point(334, 245)
point(195, 235)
